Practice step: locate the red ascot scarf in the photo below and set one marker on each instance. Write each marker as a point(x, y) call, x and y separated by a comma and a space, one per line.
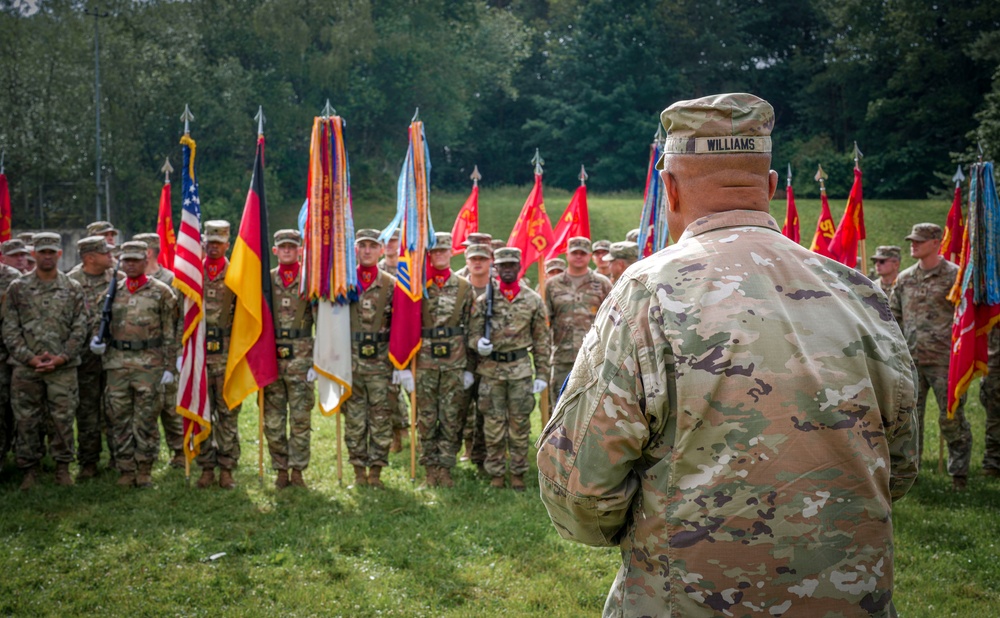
point(288, 273)
point(510, 290)
point(367, 276)
point(214, 266)
point(439, 277)
point(133, 285)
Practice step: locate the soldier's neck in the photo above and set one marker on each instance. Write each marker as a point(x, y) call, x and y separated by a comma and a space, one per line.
point(930, 262)
point(152, 267)
point(93, 270)
point(479, 281)
point(46, 275)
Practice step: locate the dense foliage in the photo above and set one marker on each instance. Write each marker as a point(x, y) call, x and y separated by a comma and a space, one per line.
point(914, 82)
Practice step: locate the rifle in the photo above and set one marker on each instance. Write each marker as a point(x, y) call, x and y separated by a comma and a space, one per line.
point(104, 330)
point(489, 309)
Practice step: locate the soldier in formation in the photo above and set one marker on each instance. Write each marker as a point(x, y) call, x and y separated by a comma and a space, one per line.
point(886, 261)
point(479, 264)
point(601, 248)
point(553, 267)
point(620, 256)
point(400, 407)
point(15, 255)
point(8, 274)
point(989, 396)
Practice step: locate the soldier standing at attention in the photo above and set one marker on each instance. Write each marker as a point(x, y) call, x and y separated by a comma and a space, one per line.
point(400, 419)
point(44, 329)
point(105, 229)
point(989, 396)
point(621, 256)
point(507, 387)
point(222, 449)
point(920, 304)
point(553, 267)
point(444, 367)
point(141, 358)
point(173, 423)
point(367, 412)
point(740, 419)
point(14, 253)
point(475, 238)
point(572, 300)
point(886, 260)
point(601, 248)
point(7, 275)
point(93, 274)
point(479, 263)
point(289, 401)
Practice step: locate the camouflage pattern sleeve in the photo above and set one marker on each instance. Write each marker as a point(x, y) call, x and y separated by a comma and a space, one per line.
point(168, 320)
point(896, 306)
point(541, 345)
point(13, 335)
point(79, 329)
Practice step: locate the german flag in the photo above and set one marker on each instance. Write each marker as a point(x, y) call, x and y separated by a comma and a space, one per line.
point(252, 362)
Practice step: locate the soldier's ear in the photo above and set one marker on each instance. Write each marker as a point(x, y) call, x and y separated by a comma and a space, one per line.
point(772, 184)
point(670, 184)
point(274, 250)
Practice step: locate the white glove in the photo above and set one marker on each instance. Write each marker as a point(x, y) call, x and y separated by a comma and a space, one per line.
point(311, 375)
point(403, 377)
point(467, 380)
point(484, 347)
point(180, 363)
point(97, 347)
point(538, 386)
point(168, 378)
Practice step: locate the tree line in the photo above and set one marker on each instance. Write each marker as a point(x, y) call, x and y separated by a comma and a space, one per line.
point(914, 82)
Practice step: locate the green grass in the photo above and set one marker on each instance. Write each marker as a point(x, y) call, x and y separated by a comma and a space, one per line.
point(402, 552)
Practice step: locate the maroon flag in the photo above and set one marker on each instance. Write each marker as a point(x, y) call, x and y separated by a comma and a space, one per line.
point(575, 221)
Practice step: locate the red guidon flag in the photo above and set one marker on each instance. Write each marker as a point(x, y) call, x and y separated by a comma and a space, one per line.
point(532, 233)
point(252, 362)
point(165, 229)
point(791, 227)
point(575, 221)
point(844, 244)
point(954, 230)
point(824, 228)
point(467, 222)
point(5, 222)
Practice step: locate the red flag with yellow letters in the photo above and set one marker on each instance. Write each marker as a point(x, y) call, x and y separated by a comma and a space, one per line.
point(467, 222)
point(824, 228)
point(844, 244)
point(165, 229)
point(532, 233)
point(575, 221)
point(954, 229)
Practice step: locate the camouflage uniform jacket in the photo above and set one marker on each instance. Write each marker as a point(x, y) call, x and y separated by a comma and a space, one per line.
point(515, 326)
point(371, 357)
point(572, 306)
point(920, 304)
point(739, 422)
point(7, 276)
point(142, 319)
point(95, 287)
point(993, 349)
point(166, 277)
point(385, 267)
point(447, 309)
point(293, 325)
point(886, 289)
point(220, 303)
point(44, 316)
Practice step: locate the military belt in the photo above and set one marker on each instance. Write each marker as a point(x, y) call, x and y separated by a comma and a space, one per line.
point(508, 357)
point(137, 346)
point(370, 337)
point(441, 332)
point(293, 333)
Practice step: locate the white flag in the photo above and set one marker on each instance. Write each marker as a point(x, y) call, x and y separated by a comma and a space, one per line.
point(332, 355)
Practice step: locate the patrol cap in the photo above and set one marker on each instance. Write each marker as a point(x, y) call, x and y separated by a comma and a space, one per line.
point(601, 245)
point(554, 264)
point(367, 234)
point(732, 123)
point(926, 231)
point(287, 237)
point(507, 255)
point(16, 246)
point(478, 250)
point(100, 227)
point(442, 241)
point(628, 251)
point(478, 238)
point(497, 243)
point(395, 234)
point(134, 250)
point(48, 241)
point(217, 231)
point(578, 243)
point(26, 237)
point(632, 236)
point(151, 239)
point(93, 244)
point(887, 252)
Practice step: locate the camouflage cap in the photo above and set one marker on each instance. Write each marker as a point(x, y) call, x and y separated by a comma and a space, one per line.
point(48, 241)
point(395, 234)
point(16, 246)
point(601, 245)
point(507, 255)
point(100, 227)
point(150, 238)
point(367, 234)
point(628, 251)
point(497, 243)
point(93, 244)
point(478, 250)
point(31, 258)
point(632, 236)
point(478, 238)
point(578, 243)
point(286, 237)
point(717, 124)
point(442, 241)
point(554, 264)
point(134, 250)
point(926, 231)
point(887, 252)
point(217, 231)
point(26, 237)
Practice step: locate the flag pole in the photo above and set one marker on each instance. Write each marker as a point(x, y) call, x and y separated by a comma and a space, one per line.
point(857, 165)
point(543, 399)
point(187, 117)
point(413, 422)
point(260, 436)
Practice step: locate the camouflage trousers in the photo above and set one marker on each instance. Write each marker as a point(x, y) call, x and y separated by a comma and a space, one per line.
point(506, 407)
point(989, 396)
point(956, 431)
point(558, 373)
point(6, 414)
point(222, 448)
point(90, 412)
point(172, 421)
point(132, 402)
point(472, 425)
point(288, 403)
point(368, 421)
point(43, 400)
point(440, 402)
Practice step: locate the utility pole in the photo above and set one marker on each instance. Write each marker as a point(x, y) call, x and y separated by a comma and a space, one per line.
point(97, 110)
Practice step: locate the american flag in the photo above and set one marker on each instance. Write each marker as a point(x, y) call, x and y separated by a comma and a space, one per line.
point(192, 394)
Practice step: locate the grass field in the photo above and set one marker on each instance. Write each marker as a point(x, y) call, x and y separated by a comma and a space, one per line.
point(332, 551)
